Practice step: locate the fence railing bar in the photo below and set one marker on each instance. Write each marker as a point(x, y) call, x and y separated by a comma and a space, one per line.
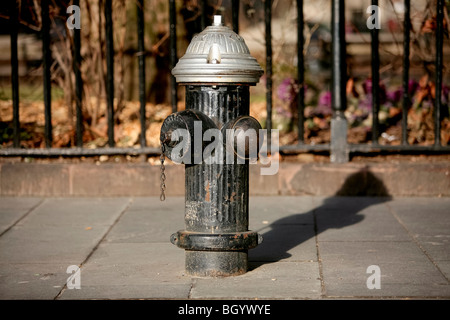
point(403, 148)
point(141, 66)
point(46, 58)
point(78, 82)
point(365, 148)
point(173, 53)
point(78, 152)
point(14, 25)
point(375, 81)
point(300, 72)
point(406, 97)
point(268, 36)
point(296, 148)
point(438, 64)
point(235, 15)
point(109, 70)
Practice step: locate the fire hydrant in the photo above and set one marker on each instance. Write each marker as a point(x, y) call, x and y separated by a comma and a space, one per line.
point(217, 71)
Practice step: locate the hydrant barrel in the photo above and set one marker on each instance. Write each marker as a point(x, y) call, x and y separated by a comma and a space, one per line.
point(217, 71)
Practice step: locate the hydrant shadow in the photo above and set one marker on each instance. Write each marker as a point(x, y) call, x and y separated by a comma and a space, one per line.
point(359, 191)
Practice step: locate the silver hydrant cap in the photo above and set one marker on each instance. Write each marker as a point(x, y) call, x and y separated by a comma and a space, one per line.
point(217, 55)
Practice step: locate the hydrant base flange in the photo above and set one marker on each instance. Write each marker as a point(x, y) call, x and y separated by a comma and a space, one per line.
point(216, 263)
point(236, 241)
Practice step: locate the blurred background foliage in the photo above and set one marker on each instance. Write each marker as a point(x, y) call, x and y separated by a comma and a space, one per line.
point(189, 22)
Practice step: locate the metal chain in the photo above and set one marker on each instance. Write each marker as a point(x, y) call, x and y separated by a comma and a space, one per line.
point(162, 197)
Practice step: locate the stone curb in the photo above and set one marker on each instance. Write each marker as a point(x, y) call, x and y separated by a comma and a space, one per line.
point(318, 179)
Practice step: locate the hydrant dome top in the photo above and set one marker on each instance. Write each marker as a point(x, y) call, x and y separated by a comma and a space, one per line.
point(217, 55)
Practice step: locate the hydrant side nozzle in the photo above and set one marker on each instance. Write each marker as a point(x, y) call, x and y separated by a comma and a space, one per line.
point(242, 137)
point(182, 125)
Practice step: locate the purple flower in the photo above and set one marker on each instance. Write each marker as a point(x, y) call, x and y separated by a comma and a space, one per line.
point(366, 103)
point(283, 112)
point(367, 86)
point(412, 86)
point(394, 96)
point(325, 99)
point(286, 90)
point(324, 104)
point(445, 94)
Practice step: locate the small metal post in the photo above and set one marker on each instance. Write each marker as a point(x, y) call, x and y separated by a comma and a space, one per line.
point(339, 146)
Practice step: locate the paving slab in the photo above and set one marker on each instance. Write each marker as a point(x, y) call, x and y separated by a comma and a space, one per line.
point(149, 220)
point(287, 228)
point(350, 218)
point(133, 270)
point(286, 243)
point(56, 233)
point(13, 209)
point(60, 230)
point(423, 216)
point(41, 281)
point(283, 280)
point(314, 248)
point(405, 271)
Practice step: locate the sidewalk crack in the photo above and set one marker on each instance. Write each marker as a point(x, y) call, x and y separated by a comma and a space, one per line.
point(130, 201)
point(23, 216)
point(190, 289)
point(319, 260)
point(418, 244)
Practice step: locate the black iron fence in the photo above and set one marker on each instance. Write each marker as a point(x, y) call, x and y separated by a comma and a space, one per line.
point(338, 147)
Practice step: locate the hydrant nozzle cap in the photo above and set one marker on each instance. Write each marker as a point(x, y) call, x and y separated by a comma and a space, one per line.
point(217, 55)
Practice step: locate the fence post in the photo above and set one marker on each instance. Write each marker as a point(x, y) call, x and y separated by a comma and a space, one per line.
point(141, 63)
point(406, 104)
point(339, 147)
point(235, 5)
point(375, 81)
point(110, 70)
point(268, 35)
point(78, 82)
point(173, 53)
point(14, 25)
point(439, 64)
point(46, 57)
point(300, 73)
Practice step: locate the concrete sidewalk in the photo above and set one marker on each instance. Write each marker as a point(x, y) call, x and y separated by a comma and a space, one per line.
point(314, 248)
